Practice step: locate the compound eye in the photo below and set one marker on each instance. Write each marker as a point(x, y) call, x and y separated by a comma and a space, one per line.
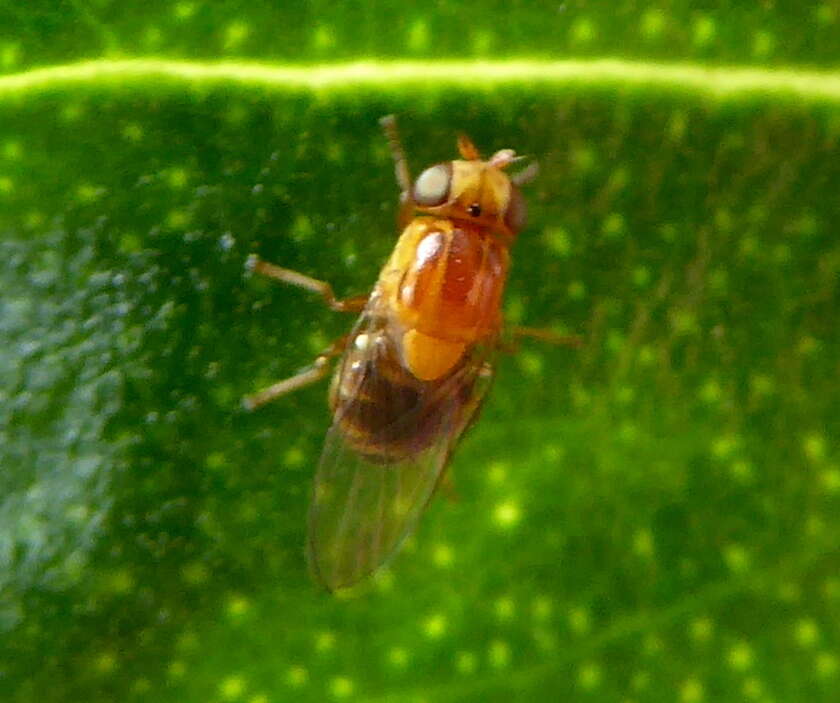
point(517, 213)
point(432, 186)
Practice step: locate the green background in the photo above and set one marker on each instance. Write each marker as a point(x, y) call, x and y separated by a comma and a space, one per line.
point(652, 517)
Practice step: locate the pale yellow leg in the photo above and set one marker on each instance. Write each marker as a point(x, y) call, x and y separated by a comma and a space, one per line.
point(322, 288)
point(315, 373)
point(319, 369)
point(562, 340)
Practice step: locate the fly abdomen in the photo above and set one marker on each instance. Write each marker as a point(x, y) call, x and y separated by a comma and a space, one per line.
point(382, 410)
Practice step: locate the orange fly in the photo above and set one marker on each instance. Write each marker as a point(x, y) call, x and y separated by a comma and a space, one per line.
point(416, 366)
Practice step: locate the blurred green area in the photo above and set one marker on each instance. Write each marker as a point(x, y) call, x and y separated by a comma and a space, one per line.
point(650, 518)
point(768, 32)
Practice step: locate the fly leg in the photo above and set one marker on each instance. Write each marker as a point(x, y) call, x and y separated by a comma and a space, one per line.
point(544, 335)
point(322, 288)
point(318, 370)
point(560, 340)
point(389, 126)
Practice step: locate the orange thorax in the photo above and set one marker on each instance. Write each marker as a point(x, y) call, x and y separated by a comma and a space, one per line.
point(444, 284)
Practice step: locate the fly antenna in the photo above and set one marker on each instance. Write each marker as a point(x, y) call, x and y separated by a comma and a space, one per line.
point(526, 175)
point(467, 148)
point(389, 126)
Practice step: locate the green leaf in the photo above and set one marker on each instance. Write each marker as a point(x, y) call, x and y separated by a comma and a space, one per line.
point(650, 517)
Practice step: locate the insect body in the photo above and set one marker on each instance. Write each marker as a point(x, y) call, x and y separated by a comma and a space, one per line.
point(417, 364)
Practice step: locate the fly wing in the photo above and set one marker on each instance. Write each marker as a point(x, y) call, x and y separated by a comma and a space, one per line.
point(384, 455)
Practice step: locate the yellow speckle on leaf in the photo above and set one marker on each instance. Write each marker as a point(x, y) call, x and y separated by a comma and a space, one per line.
point(297, 676)
point(675, 130)
point(653, 22)
point(814, 447)
point(499, 654)
point(87, 193)
point(507, 514)
point(589, 676)
point(497, 473)
point(830, 479)
point(105, 663)
point(737, 558)
point(465, 662)
point(710, 392)
point(177, 178)
point(752, 688)
point(583, 30)
point(763, 44)
point(301, 229)
point(640, 680)
point(641, 277)
point(9, 55)
point(643, 543)
point(577, 290)
point(120, 581)
point(740, 656)
point(187, 641)
point(530, 363)
point(132, 132)
point(652, 644)
point(725, 446)
point(342, 687)
point(235, 34)
point(806, 633)
point(324, 641)
point(826, 665)
point(557, 241)
point(34, 219)
point(614, 225)
point(442, 555)
point(177, 219)
point(583, 158)
point(579, 620)
point(742, 470)
point(504, 608)
point(323, 38)
point(12, 150)
point(237, 606)
point(184, 10)
point(481, 42)
point(691, 691)
point(141, 686)
point(826, 14)
point(418, 35)
point(704, 31)
point(232, 688)
point(684, 322)
point(435, 626)
point(293, 458)
point(152, 36)
point(542, 607)
point(700, 630)
point(398, 657)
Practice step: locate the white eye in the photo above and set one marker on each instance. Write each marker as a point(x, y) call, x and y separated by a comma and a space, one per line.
point(432, 186)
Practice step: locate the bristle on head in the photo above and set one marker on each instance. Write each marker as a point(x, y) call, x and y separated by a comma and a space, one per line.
point(467, 148)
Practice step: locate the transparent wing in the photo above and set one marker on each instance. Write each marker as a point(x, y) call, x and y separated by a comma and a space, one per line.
point(369, 495)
